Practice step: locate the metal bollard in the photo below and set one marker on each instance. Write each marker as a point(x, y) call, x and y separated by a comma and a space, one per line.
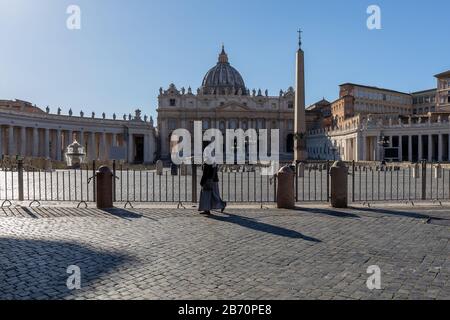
point(339, 185)
point(104, 181)
point(285, 191)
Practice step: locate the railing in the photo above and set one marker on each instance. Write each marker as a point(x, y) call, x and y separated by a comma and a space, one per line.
point(25, 183)
point(368, 182)
point(312, 182)
point(398, 182)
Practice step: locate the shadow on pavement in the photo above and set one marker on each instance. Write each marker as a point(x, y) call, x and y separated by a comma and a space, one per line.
point(407, 214)
point(37, 269)
point(262, 227)
point(123, 213)
point(329, 212)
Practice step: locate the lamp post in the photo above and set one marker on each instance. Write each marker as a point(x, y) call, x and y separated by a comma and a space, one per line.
point(383, 144)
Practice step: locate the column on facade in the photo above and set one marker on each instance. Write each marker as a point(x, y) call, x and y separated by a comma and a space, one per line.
point(430, 148)
point(11, 142)
point(47, 143)
point(23, 141)
point(440, 141)
point(282, 137)
point(410, 154)
point(165, 143)
point(400, 148)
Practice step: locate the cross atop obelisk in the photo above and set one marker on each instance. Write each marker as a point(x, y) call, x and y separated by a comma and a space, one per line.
point(300, 38)
point(300, 120)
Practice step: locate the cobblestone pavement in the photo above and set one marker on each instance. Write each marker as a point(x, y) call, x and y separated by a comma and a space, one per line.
point(167, 253)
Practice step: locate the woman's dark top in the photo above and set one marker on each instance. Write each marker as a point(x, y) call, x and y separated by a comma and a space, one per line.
point(209, 172)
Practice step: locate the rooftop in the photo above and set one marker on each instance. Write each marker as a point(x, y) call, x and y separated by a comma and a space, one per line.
point(372, 87)
point(443, 74)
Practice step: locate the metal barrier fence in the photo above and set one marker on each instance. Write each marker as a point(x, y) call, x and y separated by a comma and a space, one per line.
point(237, 184)
point(409, 183)
point(312, 182)
point(23, 183)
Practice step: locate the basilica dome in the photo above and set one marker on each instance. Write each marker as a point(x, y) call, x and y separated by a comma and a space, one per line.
point(223, 78)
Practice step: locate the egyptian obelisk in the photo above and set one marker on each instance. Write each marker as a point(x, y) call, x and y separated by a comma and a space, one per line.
point(300, 121)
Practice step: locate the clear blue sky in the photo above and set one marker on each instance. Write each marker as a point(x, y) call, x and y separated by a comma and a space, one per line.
point(126, 50)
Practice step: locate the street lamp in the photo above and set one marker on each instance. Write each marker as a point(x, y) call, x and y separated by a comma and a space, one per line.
point(383, 144)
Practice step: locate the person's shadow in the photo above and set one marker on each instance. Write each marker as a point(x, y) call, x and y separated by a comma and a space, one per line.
point(262, 227)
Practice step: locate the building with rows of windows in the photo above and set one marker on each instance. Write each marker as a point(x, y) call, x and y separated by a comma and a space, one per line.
point(373, 124)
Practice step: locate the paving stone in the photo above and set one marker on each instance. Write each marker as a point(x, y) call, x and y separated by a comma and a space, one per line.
point(167, 253)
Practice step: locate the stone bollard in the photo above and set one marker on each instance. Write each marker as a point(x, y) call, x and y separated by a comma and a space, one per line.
point(104, 181)
point(339, 185)
point(285, 190)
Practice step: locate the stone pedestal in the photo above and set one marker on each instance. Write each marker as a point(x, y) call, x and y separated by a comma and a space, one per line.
point(286, 188)
point(104, 181)
point(339, 185)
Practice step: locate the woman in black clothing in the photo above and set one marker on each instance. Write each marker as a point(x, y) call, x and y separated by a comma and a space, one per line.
point(210, 195)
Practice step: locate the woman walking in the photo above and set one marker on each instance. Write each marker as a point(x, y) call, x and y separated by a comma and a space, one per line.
point(210, 195)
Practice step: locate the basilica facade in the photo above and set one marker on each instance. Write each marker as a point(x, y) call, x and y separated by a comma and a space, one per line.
point(224, 102)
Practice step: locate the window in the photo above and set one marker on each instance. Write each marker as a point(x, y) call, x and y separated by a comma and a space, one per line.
point(173, 102)
point(290, 105)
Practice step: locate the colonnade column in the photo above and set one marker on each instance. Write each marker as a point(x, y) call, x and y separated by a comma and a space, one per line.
point(69, 137)
point(448, 144)
point(440, 140)
point(82, 139)
point(58, 145)
point(23, 141)
point(400, 148)
point(410, 158)
point(420, 148)
point(102, 151)
point(114, 140)
point(92, 148)
point(130, 147)
point(47, 143)
point(1, 142)
point(430, 148)
point(35, 152)
point(146, 149)
point(11, 142)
